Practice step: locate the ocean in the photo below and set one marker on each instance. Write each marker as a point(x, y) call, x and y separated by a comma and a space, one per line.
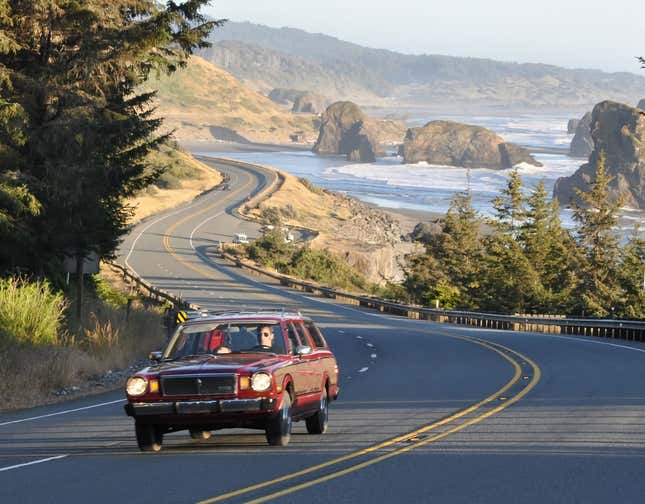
point(389, 183)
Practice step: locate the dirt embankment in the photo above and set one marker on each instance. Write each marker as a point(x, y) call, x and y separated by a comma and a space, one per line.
point(369, 239)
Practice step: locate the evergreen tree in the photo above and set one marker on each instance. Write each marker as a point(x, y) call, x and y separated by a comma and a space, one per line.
point(80, 132)
point(509, 205)
point(450, 269)
point(599, 291)
point(551, 251)
point(510, 281)
point(632, 277)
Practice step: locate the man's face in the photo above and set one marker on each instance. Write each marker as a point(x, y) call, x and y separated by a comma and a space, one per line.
point(266, 337)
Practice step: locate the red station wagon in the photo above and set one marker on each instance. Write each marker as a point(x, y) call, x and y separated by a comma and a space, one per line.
point(257, 370)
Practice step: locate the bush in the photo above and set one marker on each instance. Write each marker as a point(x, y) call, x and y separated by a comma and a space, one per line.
point(107, 293)
point(30, 312)
point(325, 268)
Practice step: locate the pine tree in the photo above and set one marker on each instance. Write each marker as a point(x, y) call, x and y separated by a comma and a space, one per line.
point(632, 277)
point(551, 251)
point(80, 132)
point(510, 281)
point(599, 291)
point(458, 251)
point(509, 205)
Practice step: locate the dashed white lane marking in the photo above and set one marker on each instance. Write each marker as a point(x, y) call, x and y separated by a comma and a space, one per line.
point(369, 345)
point(362, 370)
point(373, 356)
point(61, 412)
point(359, 337)
point(32, 463)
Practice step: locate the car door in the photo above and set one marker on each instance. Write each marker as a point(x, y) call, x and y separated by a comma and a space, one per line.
point(311, 368)
point(297, 369)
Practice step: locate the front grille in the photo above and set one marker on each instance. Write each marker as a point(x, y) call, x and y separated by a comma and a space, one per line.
point(198, 385)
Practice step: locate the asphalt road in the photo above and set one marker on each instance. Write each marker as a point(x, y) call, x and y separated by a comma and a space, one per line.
point(427, 412)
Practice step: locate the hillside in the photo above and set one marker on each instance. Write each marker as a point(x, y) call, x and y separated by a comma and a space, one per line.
point(269, 57)
point(201, 96)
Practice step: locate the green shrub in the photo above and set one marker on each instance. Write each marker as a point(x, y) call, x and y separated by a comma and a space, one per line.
point(30, 312)
point(325, 268)
point(109, 294)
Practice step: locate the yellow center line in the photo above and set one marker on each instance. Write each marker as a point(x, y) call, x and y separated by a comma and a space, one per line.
point(197, 269)
point(400, 451)
point(365, 451)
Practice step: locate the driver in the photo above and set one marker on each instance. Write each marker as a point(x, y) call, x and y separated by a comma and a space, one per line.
point(265, 338)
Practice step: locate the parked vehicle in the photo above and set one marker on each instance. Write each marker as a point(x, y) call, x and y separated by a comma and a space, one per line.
point(240, 238)
point(259, 370)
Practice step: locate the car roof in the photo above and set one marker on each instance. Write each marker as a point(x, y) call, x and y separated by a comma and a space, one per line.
point(263, 314)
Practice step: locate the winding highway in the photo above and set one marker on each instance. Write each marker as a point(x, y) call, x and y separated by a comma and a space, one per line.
point(428, 412)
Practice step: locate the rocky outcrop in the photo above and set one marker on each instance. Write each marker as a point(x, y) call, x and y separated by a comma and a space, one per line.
point(582, 143)
point(618, 130)
point(225, 134)
point(641, 104)
point(572, 125)
point(455, 144)
point(309, 103)
point(344, 129)
point(285, 96)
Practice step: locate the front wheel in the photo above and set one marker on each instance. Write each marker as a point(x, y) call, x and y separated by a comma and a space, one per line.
point(149, 437)
point(317, 424)
point(278, 429)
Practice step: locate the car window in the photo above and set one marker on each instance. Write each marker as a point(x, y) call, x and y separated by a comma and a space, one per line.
point(293, 338)
point(219, 338)
point(302, 334)
point(316, 335)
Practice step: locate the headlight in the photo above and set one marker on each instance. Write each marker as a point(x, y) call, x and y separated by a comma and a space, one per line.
point(136, 386)
point(261, 382)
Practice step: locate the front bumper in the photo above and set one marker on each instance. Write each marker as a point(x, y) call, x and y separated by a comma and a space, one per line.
point(219, 406)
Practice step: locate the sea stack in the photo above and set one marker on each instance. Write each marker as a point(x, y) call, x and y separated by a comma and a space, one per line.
point(455, 144)
point(343, 130)
point(618, 130)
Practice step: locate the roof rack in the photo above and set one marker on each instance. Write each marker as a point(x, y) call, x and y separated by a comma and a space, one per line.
point(272, 309)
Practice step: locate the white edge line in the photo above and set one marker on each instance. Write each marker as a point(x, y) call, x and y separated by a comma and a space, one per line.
point(30, 419)
point(362, 370)
point(32, 463)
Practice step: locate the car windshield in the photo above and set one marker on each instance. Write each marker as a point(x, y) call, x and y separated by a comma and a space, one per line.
point(226, 337)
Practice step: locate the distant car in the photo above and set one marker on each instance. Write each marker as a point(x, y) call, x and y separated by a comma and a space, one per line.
point(219, 372)
point(226, 187)
point(240, 238)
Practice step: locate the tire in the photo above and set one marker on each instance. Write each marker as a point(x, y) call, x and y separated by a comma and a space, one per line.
point(149, 437)
point(278, 429)
point(200, 434)
point(317, 424)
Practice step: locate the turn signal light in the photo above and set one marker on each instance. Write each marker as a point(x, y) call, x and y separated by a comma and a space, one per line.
point(154, 385)
point(245, 382)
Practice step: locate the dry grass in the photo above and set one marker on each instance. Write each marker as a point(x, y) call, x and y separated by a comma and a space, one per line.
point(30, 375)
point(149, 203)
point(203, 95)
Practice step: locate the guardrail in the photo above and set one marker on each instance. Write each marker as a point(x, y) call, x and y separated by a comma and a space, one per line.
point(631, 330)
point(150, 291)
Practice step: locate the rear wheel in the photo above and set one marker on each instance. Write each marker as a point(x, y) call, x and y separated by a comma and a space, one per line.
point(149, 437)
point(278, 429)
point(317, 424)
point(200, 434)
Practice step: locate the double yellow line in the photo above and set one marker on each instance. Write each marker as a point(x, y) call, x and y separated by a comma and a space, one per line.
point(510, 355)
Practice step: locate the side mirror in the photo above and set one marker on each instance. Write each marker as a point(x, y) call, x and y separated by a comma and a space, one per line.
point(303, 350)
point(155, 356)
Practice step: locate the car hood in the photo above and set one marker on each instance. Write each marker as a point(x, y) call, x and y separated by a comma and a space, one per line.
point(223, 363)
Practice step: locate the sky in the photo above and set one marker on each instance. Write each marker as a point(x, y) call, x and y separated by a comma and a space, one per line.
point(569, 33)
